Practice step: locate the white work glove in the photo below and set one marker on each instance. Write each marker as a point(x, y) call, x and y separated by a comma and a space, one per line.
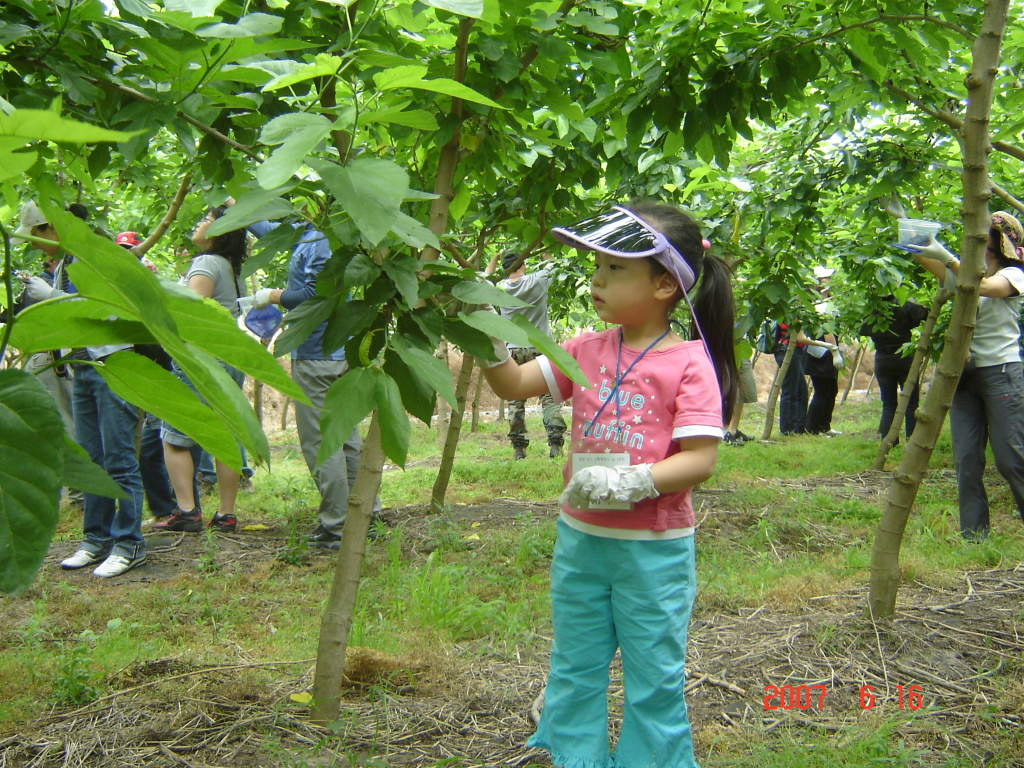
point(261, 298)
point(40, 290)
point(593, 486)
point(837, 360)
point(934, 250)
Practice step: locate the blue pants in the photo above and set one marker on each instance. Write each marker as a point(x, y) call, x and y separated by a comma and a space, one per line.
point(793, 394)
point(631, 595)
point(105, 427)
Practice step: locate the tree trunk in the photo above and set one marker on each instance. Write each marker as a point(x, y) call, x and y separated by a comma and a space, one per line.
point(284, 413)
point(442, 421)
point(857, 360)
point(885, 567)
point(444, 472)
point(337, 618)
point(913, 380)
point(476, 399)
point(773, 394)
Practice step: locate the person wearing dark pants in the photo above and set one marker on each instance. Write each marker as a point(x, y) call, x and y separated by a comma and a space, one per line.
point(820, 358)
point(793, 394)
point(889, 334)
point(988, 405)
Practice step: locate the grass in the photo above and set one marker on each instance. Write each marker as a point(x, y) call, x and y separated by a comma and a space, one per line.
point(485, 588)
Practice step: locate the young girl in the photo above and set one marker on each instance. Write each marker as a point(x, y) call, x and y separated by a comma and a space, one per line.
point(214, 273)
point(643, 434)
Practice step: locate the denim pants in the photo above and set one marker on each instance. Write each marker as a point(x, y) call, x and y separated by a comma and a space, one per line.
point(793, 395)
point(631, 595)
point(105, 427)
point(554, 424)
point(337, 474)
point(891, 373)
point(988, 406)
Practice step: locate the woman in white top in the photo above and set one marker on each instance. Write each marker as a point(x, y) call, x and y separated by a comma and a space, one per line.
point(213, 274)
point(989, 401)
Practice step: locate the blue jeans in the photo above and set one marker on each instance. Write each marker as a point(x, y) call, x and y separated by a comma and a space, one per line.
point(793, 395)
point(105, 427)
point(988, 406)
point(207, 471)
point(631, 595)
point(891, 373)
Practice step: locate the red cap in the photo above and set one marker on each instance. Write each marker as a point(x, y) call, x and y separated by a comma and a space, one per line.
point(128, 238)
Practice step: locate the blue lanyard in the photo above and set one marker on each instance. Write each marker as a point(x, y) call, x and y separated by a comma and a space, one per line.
point(619, 379)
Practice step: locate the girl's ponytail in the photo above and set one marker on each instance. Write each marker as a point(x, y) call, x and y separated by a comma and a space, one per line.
point(715, 311)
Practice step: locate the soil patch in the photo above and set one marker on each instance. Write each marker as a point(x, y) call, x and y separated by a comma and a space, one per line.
point(750, 672)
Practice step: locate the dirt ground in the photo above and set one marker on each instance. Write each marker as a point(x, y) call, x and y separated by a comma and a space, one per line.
point(476, 705)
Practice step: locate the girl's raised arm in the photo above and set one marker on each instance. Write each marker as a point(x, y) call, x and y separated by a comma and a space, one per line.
point(511, 381)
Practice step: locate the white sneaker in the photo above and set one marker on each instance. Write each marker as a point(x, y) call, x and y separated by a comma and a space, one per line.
point(80, 559)
point(116, 564)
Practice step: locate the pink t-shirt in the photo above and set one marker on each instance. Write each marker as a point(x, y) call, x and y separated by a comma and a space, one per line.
point(669, 394)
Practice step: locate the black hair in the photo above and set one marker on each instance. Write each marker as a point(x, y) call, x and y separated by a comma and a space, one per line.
point(713, 305)
point(995, 234)
point(509, 259)
point(230, 245)
point(79, 210)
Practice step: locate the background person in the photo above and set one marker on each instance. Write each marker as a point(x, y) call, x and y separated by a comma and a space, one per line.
point(315, 370)
point(214, 274)
point(890, 331)
point(533, 289)
point(747, 394)
point(105, 427)
point(988, 405)
point(793, 390)
point(625, 577)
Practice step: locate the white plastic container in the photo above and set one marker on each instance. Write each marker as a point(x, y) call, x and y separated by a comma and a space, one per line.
point(917, 231)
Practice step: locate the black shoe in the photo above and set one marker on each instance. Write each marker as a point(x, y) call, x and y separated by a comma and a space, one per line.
point(555, 451)
point(180, 521)
point(519, 453)
point(226, 523)
point(741, 437)
point(321, 537)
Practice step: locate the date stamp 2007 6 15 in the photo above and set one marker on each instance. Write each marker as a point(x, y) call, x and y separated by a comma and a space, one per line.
point(813, 696)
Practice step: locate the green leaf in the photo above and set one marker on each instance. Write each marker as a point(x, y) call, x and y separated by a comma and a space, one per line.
point(71, 323)
point(418, 397)
point(281, 128)
point(348, 401)
point(430, 369)
point(410, 231)
point(473, 292)
point(411, 76)
point(31, 468)
point(255, 205)
point(324, 65)
point(371, 191)
point(402, 270)
point(348, 319)
point(253, 25)
point(472, 8)
point(497, 326)
point(44, 125)
point(468, 339)
point(394, 421)
point(289, 157)
point(15, 163)
point(553, 351)
point(83, 473)
point(300, 322)
point(417, 119)
point(139, 380)
point(360, 270)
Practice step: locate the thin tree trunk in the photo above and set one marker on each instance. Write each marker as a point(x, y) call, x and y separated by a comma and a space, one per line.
point(337, 617)
point(444, 472)
point(773, 393)
point(443, 352)
point(857, 360)
point(168, 219)
point(913, 379)
point(885, 566)
point(476, 399)
point(871, 383)
point(284, 413)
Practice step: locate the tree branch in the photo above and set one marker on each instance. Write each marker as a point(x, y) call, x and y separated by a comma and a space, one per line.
point(169, 217)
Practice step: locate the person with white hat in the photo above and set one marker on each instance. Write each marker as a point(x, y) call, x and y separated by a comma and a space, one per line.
point(988, 405)
point(105, 426)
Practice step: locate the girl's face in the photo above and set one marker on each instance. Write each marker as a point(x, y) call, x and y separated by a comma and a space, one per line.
point(199, 238)
point(626, 291)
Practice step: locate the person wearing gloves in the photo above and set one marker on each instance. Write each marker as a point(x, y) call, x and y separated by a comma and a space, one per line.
point(214, 274)
point(105, 427)
point(315, 370)
point(643, 434)
point(822, 363)
point(988, 404)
